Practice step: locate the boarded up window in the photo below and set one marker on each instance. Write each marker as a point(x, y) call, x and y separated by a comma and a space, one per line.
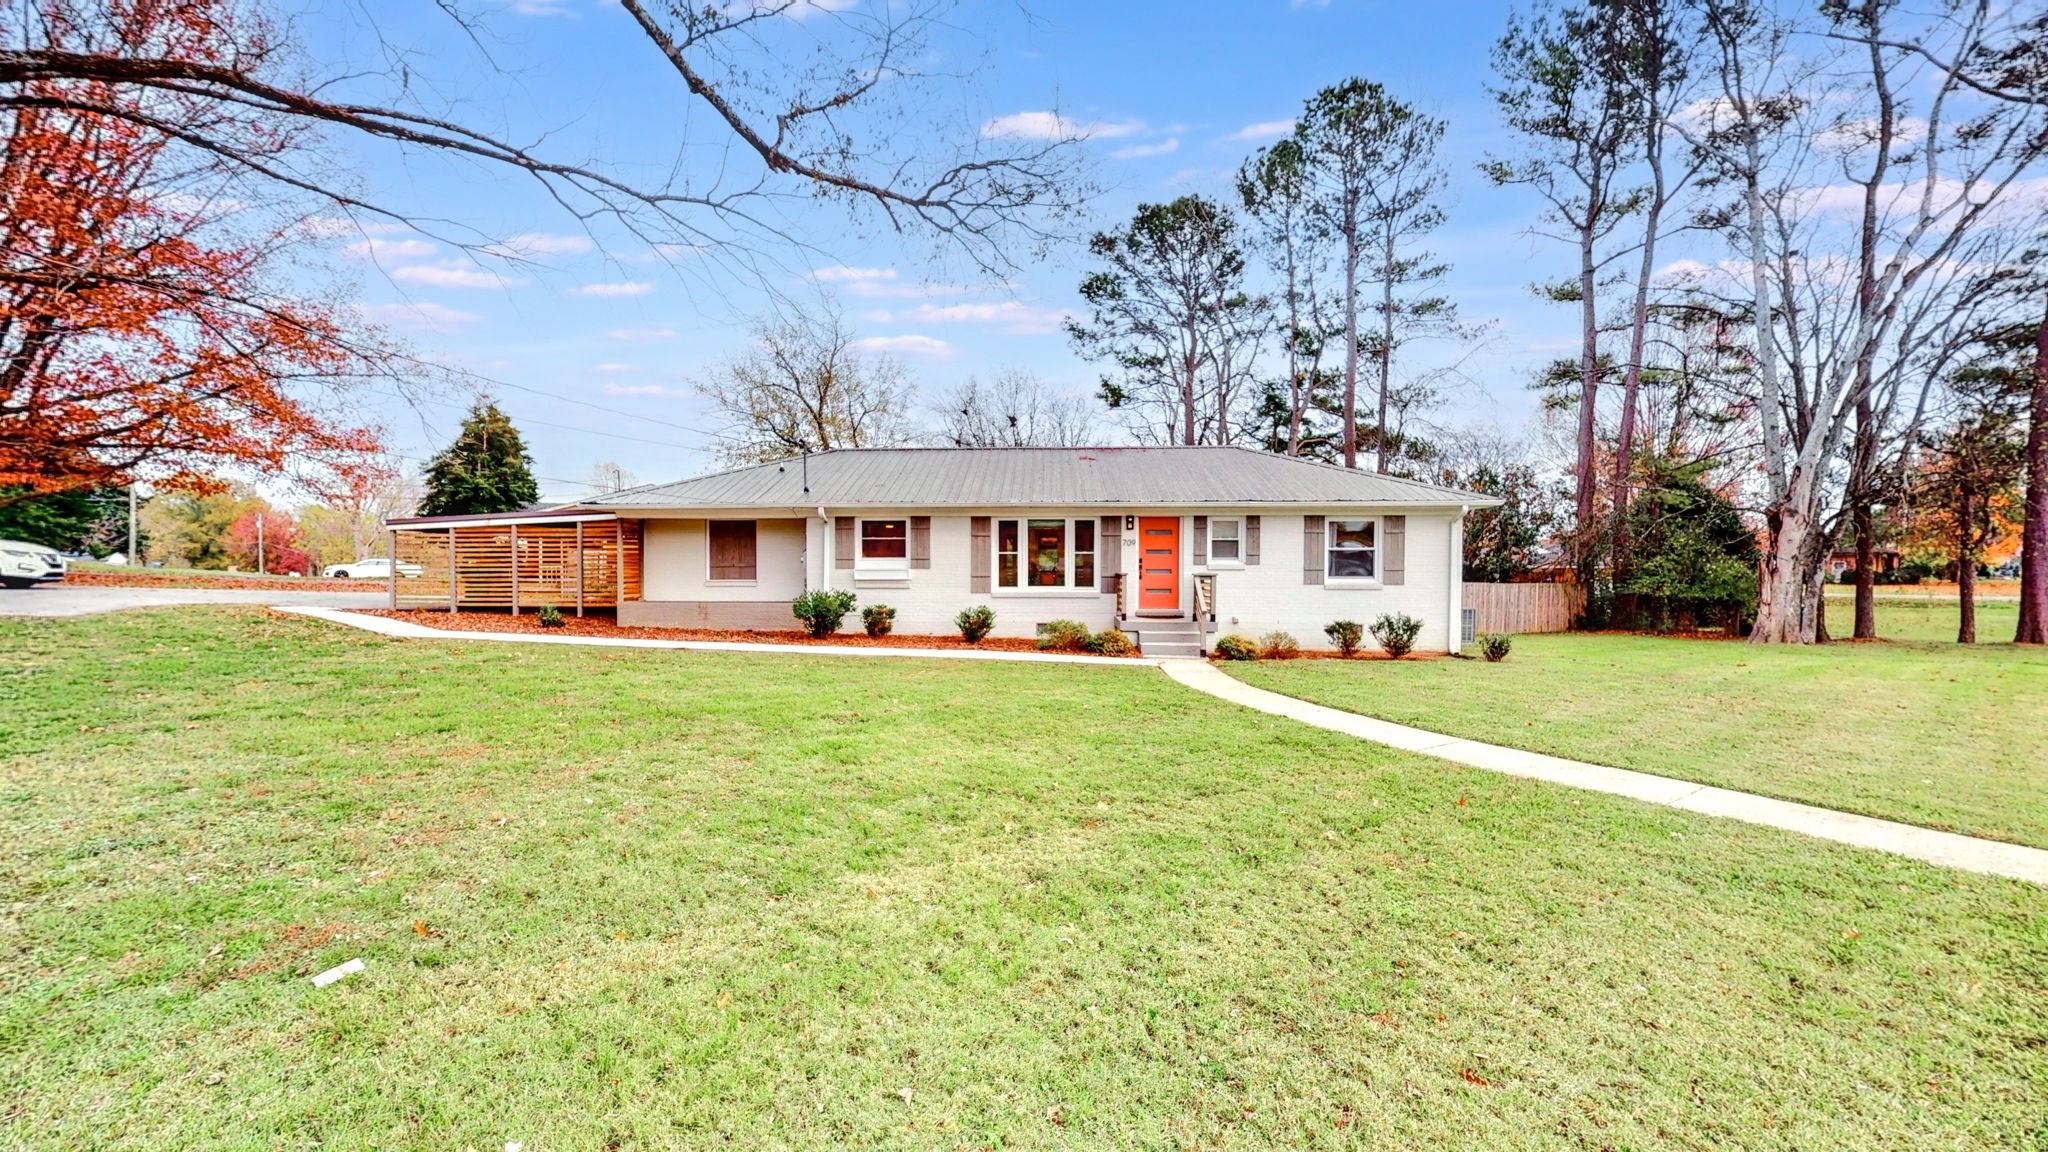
point(732, 550)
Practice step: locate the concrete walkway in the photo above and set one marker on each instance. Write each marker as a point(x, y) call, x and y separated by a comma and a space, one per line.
point(407, 630)
point(1947, 849)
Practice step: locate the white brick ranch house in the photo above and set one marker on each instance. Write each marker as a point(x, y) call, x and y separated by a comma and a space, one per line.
point(1173, 545)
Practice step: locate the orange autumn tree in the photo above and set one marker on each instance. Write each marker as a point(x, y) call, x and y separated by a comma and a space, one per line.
point(143, 329)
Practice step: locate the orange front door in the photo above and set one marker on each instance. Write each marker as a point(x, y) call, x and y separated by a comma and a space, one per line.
point(1158, 563)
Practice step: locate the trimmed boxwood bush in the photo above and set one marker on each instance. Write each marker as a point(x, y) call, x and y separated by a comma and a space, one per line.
point(1064, 636)
point(1345, 634)
point(975, 623)
point(1235, 647)
point(1114, 642)
point(1494, 646)
point(1277, 645)
point(878, 619)
point(821, 611)
point(1396, 632)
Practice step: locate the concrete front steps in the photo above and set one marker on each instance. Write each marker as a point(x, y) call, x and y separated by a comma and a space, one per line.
point(1164, 637)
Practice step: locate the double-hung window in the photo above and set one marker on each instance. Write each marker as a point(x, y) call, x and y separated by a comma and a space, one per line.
point(884, 544)
point(1045, 553)
point(1226, 541)
point(1353, 550)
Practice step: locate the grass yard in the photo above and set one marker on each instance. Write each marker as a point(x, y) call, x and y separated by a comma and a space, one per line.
point(1913, 729)
point(626, 899)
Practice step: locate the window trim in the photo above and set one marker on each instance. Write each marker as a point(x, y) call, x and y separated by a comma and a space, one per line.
point(1209, 542)
point(892, 566)
point(1071, 531)
point(1378, 550)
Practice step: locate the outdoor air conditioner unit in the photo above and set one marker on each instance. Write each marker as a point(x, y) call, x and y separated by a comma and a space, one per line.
point(1468, 624)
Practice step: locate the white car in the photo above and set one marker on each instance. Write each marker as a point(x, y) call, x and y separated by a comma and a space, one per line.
point(371, 568)
point(23, 564)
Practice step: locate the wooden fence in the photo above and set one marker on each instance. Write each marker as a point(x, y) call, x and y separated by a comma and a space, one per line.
point(1525, 607)
point(520, 566)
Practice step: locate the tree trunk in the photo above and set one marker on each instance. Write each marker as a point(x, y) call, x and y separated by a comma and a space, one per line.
point(1386, 353)
point(1786, 609)
point(1351, 348)
point(1589, 387)
point(1966, 563)
point(1864, 524)
point(2033, 626)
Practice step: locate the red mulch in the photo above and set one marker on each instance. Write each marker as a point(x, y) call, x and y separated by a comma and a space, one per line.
point(605, 625)
point(143, 578)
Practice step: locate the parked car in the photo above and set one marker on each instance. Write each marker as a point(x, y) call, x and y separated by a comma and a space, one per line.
point(23, 564)
point(371, 568)
point(2010, 570)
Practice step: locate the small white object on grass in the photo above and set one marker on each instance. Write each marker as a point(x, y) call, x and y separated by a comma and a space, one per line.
point(337, 972)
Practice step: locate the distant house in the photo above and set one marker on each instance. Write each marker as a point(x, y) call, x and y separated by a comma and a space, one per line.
point(1842, 561)
point(1170, 544)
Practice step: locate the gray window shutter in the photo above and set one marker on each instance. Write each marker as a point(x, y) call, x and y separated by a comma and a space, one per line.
point(1201, 540)
point(979, 559)
point(1251, 540)
point(842, 543)
point(1110, 549)
point(920, 541)
point(1311, 549)
point(1394, 545)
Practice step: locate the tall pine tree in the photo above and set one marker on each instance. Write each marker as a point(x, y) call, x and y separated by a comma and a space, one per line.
point(487, 469)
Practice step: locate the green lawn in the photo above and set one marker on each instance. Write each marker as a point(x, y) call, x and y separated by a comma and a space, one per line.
point(624, 899)
point(1935, 733)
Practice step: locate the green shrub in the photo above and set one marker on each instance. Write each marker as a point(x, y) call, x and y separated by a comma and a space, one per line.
point(821, 612)
point(1277, 645)
point(975, 623)
point(1235, 647)
point(1396, 632)
point(1345, 634)
point(878, 619)
point(1494, 646)
point(1064, 636)
point(1114, 642)
point(550, 617)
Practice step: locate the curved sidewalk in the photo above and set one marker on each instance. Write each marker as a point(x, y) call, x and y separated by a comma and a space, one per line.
point(1990, 857)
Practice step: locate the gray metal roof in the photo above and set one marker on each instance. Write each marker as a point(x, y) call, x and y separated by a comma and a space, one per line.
point(1038, 477)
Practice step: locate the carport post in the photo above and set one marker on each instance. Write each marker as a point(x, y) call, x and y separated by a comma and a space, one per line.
point(394, 567)
point(579, 567)
point(451, 570)
point(515, 569)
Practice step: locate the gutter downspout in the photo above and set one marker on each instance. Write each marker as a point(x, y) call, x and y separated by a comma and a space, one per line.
point(824, 547)
point(1457, 580)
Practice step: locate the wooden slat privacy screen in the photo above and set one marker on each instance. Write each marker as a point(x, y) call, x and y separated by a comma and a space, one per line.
point(484, 565)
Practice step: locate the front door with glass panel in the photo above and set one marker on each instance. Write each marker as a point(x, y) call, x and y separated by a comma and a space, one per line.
point(1158, 563)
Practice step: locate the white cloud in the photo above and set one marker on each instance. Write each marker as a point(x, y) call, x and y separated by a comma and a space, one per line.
point(1012, 316)
point(449, 274)
point(613, 368)
point(635, 335)
point(389, 249)
point(629, 288)
point(634, 390)
point(842, 274)
point(909, 345)
point(531, 244)
point(1136, 151)
point(1053, 126)
point(788, 9)
point(420, 317)
point(541, 8)
point(882, 283)
point(1263, 131)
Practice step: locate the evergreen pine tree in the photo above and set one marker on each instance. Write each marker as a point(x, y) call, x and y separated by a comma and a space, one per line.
point(487, 469)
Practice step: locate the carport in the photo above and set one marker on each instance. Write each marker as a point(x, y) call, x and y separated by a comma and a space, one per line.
point(570, 558)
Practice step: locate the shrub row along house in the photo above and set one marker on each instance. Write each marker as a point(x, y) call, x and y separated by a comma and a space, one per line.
point(1169, 544)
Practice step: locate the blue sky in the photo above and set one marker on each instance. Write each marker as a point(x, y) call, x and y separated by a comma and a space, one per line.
point(1176, 94)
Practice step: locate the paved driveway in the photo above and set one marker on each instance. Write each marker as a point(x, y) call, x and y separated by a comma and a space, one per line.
point(81, 600)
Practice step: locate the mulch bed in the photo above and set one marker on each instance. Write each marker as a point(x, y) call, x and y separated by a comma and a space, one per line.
point(605, 625)
point(143, 578)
